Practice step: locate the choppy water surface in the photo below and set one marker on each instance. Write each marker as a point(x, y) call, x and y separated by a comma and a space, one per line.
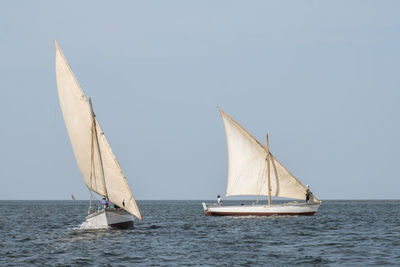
point(177, 233)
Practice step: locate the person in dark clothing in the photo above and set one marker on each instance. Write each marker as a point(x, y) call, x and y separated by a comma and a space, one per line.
point(308, 194)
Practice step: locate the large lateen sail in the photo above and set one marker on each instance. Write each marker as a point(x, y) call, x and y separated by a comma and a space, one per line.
point(99, 167)
point(247, 166)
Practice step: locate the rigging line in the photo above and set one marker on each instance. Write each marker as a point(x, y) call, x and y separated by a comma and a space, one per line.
point(93, 168)
point(268, 170)
point(263, 181)
point(91, 159)
point(101, 160)
point(90, 201)
point(98, 146)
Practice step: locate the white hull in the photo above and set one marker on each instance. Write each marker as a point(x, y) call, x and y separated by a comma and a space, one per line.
point(261, 210)
point(107, 218)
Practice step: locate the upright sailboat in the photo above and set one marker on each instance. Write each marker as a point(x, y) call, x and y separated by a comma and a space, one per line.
point(98, 165)
point(254, 171)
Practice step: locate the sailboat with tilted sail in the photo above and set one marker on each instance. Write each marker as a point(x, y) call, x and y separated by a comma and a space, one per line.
point(99, 167)
point(254, 171)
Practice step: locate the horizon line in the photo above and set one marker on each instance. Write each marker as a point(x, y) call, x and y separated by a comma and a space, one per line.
point(344, 199)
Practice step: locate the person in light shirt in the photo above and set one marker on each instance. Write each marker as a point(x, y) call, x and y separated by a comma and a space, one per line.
point(219, 200)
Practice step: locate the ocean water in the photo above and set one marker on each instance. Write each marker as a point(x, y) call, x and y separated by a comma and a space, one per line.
point(343, 233)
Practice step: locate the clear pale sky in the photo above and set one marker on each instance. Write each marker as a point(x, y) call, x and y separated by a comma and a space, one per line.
point(321, 77)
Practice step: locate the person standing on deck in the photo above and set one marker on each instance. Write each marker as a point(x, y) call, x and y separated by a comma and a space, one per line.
point(308, 194)
point(219, 201)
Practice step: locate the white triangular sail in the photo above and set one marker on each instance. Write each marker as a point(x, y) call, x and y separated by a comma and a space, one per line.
point(99, 167)
point(247, 166)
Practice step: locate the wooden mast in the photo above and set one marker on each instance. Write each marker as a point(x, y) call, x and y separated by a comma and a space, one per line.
point(268, 173)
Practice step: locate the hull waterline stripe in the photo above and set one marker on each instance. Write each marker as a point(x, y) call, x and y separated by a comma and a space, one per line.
point(208, 213)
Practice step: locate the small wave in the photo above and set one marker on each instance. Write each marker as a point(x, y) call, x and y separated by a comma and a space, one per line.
point(24, 239)
point(313, 260)
point(262, 217)
point(75, 228)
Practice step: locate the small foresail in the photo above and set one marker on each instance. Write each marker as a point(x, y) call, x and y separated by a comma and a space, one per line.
point(99, 168)
point(118, 189)
point(285, 184)
point(247, 166)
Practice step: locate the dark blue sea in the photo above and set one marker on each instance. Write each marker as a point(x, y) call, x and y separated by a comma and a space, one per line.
point(343, 233)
